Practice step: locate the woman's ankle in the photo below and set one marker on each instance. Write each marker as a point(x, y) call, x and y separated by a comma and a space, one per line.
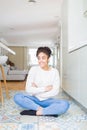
point(39, 111)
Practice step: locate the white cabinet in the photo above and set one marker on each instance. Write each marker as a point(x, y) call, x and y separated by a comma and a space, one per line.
point(85, 7)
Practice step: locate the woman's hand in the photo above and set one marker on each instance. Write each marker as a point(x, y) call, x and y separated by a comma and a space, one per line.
point(48, 88)
point(34, 85)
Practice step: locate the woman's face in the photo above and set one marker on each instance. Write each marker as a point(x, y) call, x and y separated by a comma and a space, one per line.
point(43, 60)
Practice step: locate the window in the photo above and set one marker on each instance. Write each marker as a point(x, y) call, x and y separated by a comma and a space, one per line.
point(32, 56)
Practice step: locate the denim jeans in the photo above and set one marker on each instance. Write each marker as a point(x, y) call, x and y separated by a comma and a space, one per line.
point(50, 106)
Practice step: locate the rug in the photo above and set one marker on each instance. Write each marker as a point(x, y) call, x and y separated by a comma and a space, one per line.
point(10, 119)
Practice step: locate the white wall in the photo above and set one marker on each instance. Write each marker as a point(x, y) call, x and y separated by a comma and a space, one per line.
point(74, 68)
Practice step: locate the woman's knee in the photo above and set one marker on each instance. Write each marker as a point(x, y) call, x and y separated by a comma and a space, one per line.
point(65, 106)
point(18, 97)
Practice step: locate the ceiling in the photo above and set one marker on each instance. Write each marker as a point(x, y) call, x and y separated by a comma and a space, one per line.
point(24, 23)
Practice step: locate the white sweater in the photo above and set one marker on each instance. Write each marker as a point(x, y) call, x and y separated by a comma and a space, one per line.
point(42, 78)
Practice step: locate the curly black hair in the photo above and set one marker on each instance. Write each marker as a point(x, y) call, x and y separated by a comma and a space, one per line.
point(45, 50)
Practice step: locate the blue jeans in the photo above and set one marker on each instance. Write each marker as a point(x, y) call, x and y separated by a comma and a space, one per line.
point(50, 106)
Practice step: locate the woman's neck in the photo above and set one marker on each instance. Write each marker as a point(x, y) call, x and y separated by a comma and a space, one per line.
point(46, 68)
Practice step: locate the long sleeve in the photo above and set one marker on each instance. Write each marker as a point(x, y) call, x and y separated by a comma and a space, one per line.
point(30, 79)
point(55, 90)
point(42, 79)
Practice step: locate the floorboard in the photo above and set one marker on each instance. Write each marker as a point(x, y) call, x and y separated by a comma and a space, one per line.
point(15, 85)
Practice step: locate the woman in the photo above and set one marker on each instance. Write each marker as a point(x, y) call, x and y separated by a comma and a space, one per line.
point(42, 85)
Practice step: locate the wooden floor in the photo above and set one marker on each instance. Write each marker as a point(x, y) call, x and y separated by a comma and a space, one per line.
point(15, 85)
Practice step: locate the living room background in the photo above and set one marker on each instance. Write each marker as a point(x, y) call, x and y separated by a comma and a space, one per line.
point(26, 57)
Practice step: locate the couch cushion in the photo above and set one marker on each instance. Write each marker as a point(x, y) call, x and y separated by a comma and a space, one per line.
point(17, 72)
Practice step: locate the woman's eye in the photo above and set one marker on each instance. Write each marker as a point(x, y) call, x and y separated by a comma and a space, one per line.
point(38, 58)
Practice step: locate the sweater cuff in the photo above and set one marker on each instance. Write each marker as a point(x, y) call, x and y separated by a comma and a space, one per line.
point(42, 89)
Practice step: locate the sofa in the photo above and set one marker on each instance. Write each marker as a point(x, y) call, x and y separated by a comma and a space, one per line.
point(13, 74)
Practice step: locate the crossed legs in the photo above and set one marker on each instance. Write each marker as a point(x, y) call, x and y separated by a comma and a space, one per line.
point(46, 107)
